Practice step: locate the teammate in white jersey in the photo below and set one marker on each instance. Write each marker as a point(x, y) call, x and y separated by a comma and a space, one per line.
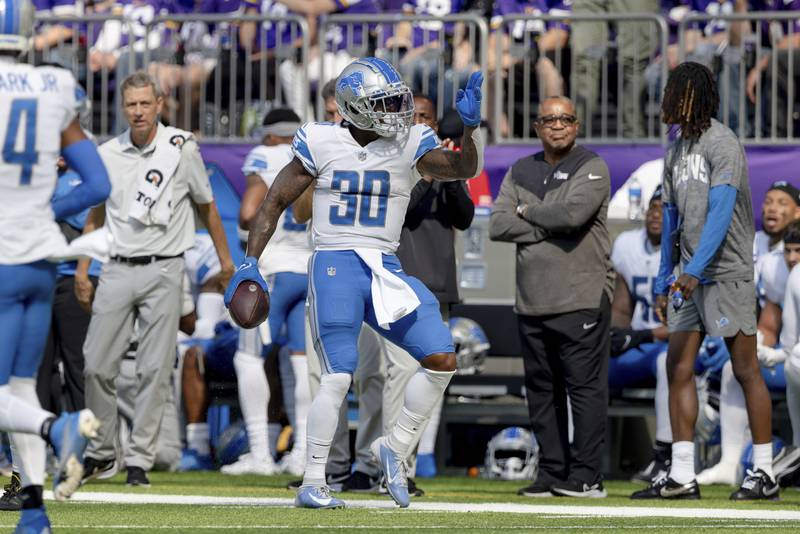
point(284, 263)
point(363, 169)
point(38, 109)
point(788, 463)
point(638, 338)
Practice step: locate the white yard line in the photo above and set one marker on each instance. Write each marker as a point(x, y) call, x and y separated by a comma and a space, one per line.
point(386, 504)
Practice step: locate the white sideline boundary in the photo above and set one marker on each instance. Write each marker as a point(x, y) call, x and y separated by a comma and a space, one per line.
point(387, 504)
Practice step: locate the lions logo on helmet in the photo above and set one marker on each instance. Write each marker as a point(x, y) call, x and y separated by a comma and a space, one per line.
point(16, 25)
point(513, 454)
point(471, 344)
point(371, 95)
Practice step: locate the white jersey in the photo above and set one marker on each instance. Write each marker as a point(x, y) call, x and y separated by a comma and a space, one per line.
point(201, 260)
point(637, 261)
point(36, 105)
point(290, 247)
point(771, 275)
point(362, 193)
point(760, 245)
point(790, 329)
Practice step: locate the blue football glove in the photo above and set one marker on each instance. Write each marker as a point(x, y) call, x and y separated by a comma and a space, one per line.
point(246, 271)
point(712, 355)
point(468, 100)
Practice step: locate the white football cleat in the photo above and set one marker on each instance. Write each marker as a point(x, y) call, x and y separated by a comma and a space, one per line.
point(722, 473)
point(247, 464)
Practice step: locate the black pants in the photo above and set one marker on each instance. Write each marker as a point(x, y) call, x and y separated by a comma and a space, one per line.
point(567, 354)
point(64, 344)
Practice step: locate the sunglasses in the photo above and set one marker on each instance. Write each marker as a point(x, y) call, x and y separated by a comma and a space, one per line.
point(548, 121)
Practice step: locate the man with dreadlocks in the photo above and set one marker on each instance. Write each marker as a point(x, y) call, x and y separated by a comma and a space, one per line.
point(708, 225)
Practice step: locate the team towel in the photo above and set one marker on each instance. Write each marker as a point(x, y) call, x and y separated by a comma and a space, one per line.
point(392, 297)
point(95, 245)
point(152, 204)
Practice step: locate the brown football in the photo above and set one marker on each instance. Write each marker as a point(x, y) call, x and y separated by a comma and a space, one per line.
point(249, 305)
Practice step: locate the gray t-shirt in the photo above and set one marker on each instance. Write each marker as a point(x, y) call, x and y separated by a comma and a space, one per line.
point(691, 169)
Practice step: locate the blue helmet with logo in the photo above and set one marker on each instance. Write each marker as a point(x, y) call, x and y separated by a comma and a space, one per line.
point(16, 25)
point(371, 95)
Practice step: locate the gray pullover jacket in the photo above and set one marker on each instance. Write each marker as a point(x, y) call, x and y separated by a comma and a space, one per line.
point(562, 241)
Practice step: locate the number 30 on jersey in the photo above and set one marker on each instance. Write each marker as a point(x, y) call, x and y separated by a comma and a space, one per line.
point(357, 191)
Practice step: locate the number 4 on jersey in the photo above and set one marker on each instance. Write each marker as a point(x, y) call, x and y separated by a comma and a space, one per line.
point(28, 157)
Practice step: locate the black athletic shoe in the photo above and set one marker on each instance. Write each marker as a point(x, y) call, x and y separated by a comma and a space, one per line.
point(537, 489)
point(335, 481)
point(786, 466)
point(757, 485)
point(100, 469)
point(137, 477)
point(413, 489)
point(10, 500)
point(576, 488)
point(359, 482)
point(666, 488)
point(658, 466)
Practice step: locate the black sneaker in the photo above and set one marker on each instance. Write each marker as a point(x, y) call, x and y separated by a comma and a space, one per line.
point(786, 466)
point(757, 485)
point(10, 500)
point(413, 489)
point(576, 488)
point(537, 489)
point(666, 488)
point(137, 477)
point(658, 466)
point(98, 469)
point(335, 481)
point(359, 482)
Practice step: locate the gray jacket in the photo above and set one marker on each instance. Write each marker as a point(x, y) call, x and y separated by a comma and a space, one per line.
point(563, 247)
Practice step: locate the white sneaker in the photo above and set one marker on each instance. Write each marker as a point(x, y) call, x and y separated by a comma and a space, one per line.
point(247, 464)
point(294, 463)
point(722, 473)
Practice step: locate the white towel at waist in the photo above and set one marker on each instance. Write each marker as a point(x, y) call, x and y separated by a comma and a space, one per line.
point(95, 245)
point(392, 297)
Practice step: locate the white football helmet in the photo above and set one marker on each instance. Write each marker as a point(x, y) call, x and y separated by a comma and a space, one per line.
point(513, 454)
point(471, 344)
point(16, 25)
point(371, 95)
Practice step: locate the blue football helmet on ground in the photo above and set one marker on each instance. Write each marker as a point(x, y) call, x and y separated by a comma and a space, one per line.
point(16, 25)
point(471, 344)
point(512, 454)
point(371, 95)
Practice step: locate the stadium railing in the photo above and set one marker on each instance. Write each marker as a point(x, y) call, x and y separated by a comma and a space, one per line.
point(774, 117)
point(212, 84)
point(599, 94)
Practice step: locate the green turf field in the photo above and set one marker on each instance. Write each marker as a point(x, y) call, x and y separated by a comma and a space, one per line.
point(237, 514)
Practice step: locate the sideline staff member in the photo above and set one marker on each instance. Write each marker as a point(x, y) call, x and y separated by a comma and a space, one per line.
point(157, 180)
point(553, 205)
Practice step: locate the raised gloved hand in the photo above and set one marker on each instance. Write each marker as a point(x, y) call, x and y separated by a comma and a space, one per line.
point(468, 100)
point(246, 271)
point(770, 357)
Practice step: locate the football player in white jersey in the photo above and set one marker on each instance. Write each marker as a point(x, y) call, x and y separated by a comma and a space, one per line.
point(284, 263)
point(780, 207)
point(638, 338)
point(363, 169)
point(773, 269)
point(38, 122)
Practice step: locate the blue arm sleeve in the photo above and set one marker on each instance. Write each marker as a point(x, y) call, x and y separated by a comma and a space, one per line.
point(721, 201)
point(669, 225)
point(84, 159)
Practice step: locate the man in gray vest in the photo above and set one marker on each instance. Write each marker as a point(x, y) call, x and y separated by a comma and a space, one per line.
point(553, 206)
point(158, 185)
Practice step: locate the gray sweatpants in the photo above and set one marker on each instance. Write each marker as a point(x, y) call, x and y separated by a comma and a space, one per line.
point(368, 386)
point(151, 293)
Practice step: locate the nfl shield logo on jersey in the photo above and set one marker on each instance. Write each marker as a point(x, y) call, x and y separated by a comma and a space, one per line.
point(331, 271)
point(362, 156)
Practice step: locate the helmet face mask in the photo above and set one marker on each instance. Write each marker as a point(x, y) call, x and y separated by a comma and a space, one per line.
point(371, 95)
point(512, 454)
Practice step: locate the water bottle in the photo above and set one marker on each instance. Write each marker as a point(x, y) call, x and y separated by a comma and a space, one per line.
point(675, 294)
point(634, 199)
